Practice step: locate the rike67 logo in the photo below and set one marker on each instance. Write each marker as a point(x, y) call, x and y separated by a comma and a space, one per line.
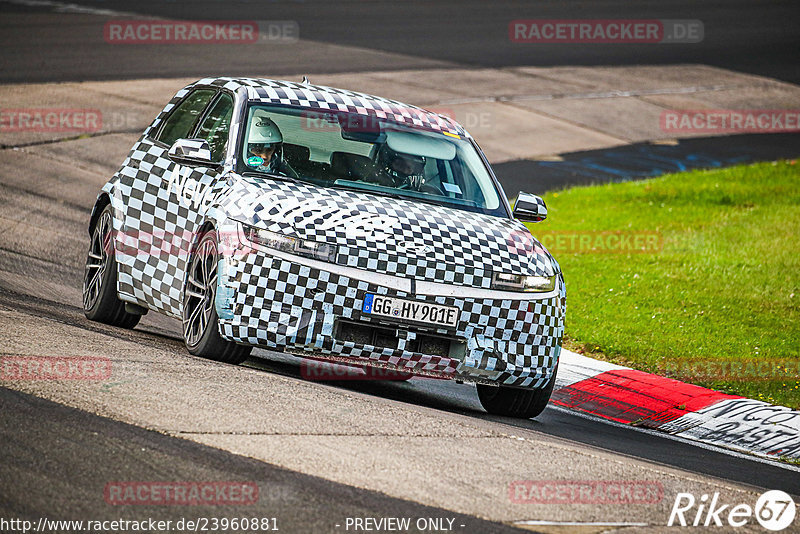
point(774, 510)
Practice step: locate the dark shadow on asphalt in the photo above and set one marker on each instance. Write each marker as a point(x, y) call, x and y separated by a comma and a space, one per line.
point(58, 461)
point(643, 160)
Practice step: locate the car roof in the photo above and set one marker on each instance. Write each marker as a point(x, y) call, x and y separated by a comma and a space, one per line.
point(320, 97)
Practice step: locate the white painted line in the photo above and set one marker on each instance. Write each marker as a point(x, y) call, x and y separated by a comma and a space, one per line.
point(64, 7)
point(576, 367)
point(534, 522)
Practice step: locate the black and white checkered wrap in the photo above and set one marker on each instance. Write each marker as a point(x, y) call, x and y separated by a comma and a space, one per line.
point(194, 148)
point(321, 98)
point(145, 215)
point(408, 239)
point(155, 229)
point(533, 204)
point(287, 305)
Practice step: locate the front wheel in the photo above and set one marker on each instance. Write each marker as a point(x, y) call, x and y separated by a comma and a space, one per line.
point(100, 302)
point(200, 320)
point(516, 402)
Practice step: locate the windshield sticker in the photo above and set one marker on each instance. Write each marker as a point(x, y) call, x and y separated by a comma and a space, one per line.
point(255, 161)
point(452, 188)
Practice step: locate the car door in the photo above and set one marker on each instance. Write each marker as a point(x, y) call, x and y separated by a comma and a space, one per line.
point(189, 192)
point(158, 221)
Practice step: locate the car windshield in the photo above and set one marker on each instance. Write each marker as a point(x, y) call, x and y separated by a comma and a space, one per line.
point(352, 151)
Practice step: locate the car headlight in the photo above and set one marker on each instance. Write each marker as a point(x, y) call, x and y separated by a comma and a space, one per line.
point(519, 282)
point(290, 245)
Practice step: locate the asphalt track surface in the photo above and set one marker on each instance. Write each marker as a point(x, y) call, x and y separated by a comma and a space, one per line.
point(742, 35)
point(90, 451)
point(57, 457)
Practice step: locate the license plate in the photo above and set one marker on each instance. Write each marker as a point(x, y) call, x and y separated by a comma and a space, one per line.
point(410, 310)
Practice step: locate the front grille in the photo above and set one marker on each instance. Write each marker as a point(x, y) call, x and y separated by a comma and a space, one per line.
point(363, 333)
point(438, 346)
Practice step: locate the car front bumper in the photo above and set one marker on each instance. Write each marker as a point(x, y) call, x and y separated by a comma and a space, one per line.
point(279, 301)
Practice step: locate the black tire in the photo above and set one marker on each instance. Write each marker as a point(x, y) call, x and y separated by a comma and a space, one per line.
point(199, 315)
point(516, 402)
point(100, 302)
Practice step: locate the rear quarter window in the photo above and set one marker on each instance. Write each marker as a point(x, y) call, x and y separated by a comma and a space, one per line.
point(182, 120)
point(216, 126)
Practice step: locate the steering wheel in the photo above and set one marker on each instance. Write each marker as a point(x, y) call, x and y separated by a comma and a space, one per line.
point(424, 188)
point(430, 188)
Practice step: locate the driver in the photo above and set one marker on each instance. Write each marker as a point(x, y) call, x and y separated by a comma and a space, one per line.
point(265, 146)
point(400, 170)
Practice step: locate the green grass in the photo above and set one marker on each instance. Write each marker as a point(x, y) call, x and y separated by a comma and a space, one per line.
point(724, 288)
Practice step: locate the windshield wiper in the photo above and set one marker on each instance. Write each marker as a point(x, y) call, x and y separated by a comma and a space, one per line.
point(262, 174)
point(386, 194)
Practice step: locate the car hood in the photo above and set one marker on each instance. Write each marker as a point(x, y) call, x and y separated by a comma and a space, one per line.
point(393, 236)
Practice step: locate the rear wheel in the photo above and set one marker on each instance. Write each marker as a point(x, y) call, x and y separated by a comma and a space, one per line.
point(200, 320)
point(100, 302)
point(516, 402)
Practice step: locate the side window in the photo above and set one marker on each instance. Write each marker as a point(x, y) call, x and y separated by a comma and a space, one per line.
point(216, 126)
point(179, 123)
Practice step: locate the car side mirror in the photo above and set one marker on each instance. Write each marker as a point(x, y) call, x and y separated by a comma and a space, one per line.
point(529, 208)
point(191, 152)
